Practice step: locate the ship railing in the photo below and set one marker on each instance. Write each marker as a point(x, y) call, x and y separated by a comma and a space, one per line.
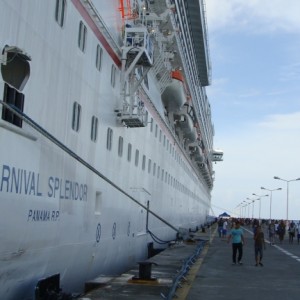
point(38, 128)
point(94, 14)
point(162, 66)
point(182, 273)
point(206, 37)
point(137, 40)
point(146, 98)
point(192, 81)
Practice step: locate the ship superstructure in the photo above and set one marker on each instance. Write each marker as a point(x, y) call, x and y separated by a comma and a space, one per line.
point(106, 136)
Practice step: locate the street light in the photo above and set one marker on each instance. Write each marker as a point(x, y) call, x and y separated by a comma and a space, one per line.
point(240, 208)
point(242, 205)
point(252, 200)
point(260, 203)
point(248, 204)
point(245, 209)
point(245, 203)
point(278, 189)
point(287, 193)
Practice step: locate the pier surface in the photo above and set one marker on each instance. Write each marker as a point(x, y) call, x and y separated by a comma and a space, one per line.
point(212, 276)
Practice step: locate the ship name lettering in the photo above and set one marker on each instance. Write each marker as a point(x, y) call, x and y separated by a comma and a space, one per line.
point(42, 215)
point(66, 189)
point(19, 181)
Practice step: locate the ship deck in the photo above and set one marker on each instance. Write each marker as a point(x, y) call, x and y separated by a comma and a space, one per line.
point(212, 276)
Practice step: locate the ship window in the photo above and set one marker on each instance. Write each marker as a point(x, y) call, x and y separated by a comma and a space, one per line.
point(137, 154)
point(144, 162)
point(14, 98)
point(164, 140)
point(151, 125)
point(129, 152)
point(82, 36)
point(154, 169)
point(60, 12)
point(98, 203)
point(149, 166)
point(94, 129)
point(156, 129)
point(76, 116)
point(109, 138)
point(120, 147)
point(167, 145)
point(98, 57)
point(113, 76)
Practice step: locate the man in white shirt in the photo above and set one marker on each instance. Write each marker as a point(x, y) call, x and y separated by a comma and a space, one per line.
point(224, 230)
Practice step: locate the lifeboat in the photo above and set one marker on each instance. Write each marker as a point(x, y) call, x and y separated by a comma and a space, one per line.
point(197, 154)
point(204, 170)
point(186, 125)
point(174, 95)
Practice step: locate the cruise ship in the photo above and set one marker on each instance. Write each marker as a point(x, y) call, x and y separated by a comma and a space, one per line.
point(106, 138)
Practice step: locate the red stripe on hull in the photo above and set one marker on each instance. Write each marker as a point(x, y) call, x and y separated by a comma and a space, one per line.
point(81, 9)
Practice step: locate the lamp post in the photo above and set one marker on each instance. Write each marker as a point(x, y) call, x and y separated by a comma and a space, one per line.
point(252, 200)
point(278, 189)
point(249, 209)
point(259, 203)
point(245, 209)
point(248, 204)
point(287, 193)
point(239, 206)
point(236, 209)
point(244, 204)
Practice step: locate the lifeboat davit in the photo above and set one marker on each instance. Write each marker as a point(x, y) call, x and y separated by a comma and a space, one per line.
point(174, 95)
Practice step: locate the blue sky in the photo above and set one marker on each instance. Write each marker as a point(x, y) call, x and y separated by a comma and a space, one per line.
point(255, 100)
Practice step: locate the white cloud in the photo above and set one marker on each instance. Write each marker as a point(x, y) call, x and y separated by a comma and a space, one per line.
point(252, 157)
point(285, 122)
point(257, 15)
point(258, 116)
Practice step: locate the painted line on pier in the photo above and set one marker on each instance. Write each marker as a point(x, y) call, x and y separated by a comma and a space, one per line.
point(182, 293)
point(287, 253)
point(297, 258)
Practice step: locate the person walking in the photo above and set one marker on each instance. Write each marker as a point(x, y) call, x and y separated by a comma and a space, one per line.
point(259, 246)
point(276, 231)
point(292, 231)
point(220, 227)
point(237, 236)
point(298, 232)
point(271, 230)
point(224, 229)
point(281, 231)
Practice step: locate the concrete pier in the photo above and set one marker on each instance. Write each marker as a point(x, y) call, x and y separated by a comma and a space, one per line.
point(212, 276)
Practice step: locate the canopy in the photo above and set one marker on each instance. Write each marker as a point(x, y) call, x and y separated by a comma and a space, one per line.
point(224, 215)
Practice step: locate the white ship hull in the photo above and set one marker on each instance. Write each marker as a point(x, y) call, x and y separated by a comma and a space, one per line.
point(71, 208)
